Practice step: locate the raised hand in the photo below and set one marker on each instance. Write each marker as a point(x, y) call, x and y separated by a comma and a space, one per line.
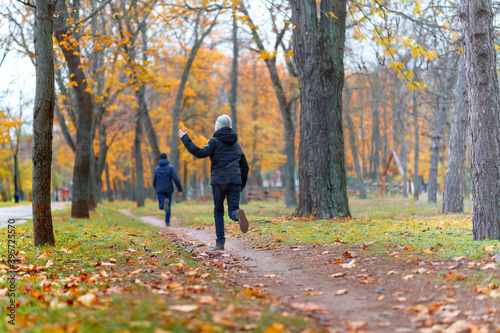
point(182, 132)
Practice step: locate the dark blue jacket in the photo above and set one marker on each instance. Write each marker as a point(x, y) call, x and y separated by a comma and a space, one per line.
point(164, 174)
point(229, 164)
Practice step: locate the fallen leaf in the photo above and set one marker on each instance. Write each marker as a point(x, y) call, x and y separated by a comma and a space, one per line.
point(392, 272)
point(275, 327)
point(427, 251)
point(206, 300)
point(271, 275)
point(337, 275)
point(184, 308)
point(220, 319)
point(314, 293)
point(487, 266)
point(381, 297)
point(49, 263)
point(355, 325)
point(349, 265)
point(407, 277)
point(312, 307)
point(87, 299)
point(341, 292)
point(401, 299)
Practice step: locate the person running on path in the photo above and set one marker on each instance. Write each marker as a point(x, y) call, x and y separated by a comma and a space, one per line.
point(162, 182)
point(229, 174)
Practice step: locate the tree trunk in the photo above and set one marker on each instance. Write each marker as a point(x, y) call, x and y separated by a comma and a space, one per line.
point(81, 180)
point(43, 121)
point(416, 178)
point(480, 62)
point(286, 114)
point(376, 141)
point(108, 185)
point(319, 54)
point(139, 169)
point(354, 148)
point(439, 123)
point(453, 200)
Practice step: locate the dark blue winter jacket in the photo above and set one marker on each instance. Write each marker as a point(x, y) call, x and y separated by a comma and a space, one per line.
point(229, 164)
point(163, 176)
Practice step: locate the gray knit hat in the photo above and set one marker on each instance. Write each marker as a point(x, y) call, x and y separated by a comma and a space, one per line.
point(223, 121)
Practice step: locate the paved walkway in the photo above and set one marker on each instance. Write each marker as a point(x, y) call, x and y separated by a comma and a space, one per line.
point(23, 213)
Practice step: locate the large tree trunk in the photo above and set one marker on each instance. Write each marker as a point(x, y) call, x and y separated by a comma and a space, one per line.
point(43, 121)
point(81, 180)
point(416, 177)
point(354, 148)
point(480, 62)
point(319, 54)
point(438, 132)
point(453, 200)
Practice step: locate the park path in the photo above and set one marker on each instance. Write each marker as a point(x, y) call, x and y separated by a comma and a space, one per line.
point(23, 213)
point(292, 275)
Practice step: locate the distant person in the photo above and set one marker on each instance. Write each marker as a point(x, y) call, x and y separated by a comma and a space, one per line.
point(162, 182)
point(229, 174)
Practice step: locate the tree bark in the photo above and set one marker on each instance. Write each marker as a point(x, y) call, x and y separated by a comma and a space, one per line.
point(416, 177)
point(43, 121)
point(319, 54)
point(81, 180)
point(139, 168)
point(354, 148)
point(233, 93)
point(438, 132)
point(108, 185)
point(376, 140)
point(453, 200)
point(484, 107)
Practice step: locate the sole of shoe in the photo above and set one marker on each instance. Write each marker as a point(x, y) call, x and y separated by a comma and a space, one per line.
point(242, 219)
point(165, 206)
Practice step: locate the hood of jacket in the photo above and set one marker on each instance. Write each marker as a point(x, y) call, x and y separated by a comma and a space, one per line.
point(226, 135)
point(163, 162)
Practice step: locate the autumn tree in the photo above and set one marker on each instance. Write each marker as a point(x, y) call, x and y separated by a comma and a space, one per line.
point(43, 120)
point(476, 17)
point(319, 53)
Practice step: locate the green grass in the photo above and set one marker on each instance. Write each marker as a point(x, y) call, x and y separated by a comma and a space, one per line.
point(52, 281)
point(196, 213)
point(11, 203)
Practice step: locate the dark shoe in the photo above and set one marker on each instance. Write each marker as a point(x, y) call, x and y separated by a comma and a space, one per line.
point(165, 206)
point(242, 219)
point(218, 247)
point(168, 224)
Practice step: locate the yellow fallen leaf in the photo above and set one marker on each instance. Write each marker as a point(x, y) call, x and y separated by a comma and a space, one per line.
point(271, 275)
point(312, 307)
point(220, 319)
point(206, 300)
point(337, 275)
point(49, 263)
point(401, 299)
point(407, 277)
point(275, 327)
point(427, 251)
point(381, 297)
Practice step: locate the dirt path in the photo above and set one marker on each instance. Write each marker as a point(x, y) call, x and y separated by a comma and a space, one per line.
point(380, 295)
